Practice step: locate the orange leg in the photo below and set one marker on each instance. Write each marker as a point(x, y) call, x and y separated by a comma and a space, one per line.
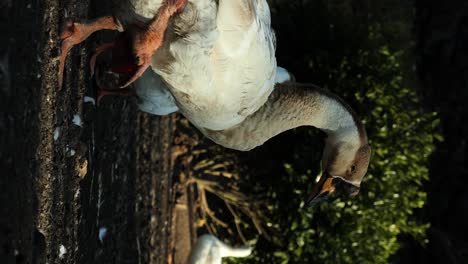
point(146, 42)
point(75, 33)
point(101, 92)
point(100, 49)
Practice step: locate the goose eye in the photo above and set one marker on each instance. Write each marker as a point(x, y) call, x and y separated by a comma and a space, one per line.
point(353, 168)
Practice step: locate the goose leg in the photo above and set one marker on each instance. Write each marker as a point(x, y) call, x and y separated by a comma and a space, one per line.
point(148, 40)
point(75, 33)
point(103, 88)
point(100, 49)
point(101, 92)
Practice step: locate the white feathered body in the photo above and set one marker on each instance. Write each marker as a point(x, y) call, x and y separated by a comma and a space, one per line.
point(217, 60)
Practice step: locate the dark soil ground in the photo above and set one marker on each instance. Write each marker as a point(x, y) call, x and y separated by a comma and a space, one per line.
point(95, 191)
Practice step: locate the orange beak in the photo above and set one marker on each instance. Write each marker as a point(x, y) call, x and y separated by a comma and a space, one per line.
point(321, 190)
point(328, 185)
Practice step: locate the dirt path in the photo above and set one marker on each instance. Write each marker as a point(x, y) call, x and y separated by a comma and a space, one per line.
point(79, 184)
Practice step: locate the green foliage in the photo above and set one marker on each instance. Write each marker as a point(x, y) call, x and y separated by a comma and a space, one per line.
point(364, 229)
point(366, 72)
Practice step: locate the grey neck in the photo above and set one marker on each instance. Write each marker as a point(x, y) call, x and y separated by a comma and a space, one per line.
point(289, 106)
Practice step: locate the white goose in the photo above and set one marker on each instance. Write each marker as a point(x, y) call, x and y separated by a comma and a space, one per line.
point(215, 63)
point(210, 250)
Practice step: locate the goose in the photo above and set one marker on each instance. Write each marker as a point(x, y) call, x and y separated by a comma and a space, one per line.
point(210, 250)
point(214, 62)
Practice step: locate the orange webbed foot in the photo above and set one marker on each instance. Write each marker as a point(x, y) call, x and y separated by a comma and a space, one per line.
point(74, 33)
point(70, 36)
point(177, 5)
point(143, 54)
point(102, 92)
point(147, 41)
point(107, 83)
point(100, 49)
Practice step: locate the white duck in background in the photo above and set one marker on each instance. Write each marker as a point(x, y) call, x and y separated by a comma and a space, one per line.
point(210, 250)
point(214, 61)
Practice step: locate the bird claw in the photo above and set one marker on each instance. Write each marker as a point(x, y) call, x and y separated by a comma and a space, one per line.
point(70, 35)
point(100, 49)
point(177, 5)
point(101, 92)
point(146, 43)
point(68, 29)
point(65, 48)
point(139, 72)
point(74, 33)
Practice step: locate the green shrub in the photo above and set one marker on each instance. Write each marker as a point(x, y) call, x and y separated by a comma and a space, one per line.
point(363, 229)
point(358, 62)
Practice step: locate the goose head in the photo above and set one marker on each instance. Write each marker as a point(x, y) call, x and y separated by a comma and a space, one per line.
point(344, 165)
point(346, 154)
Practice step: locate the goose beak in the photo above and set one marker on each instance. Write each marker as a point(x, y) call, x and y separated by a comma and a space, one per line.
point(331, 186)
point(321, 190)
